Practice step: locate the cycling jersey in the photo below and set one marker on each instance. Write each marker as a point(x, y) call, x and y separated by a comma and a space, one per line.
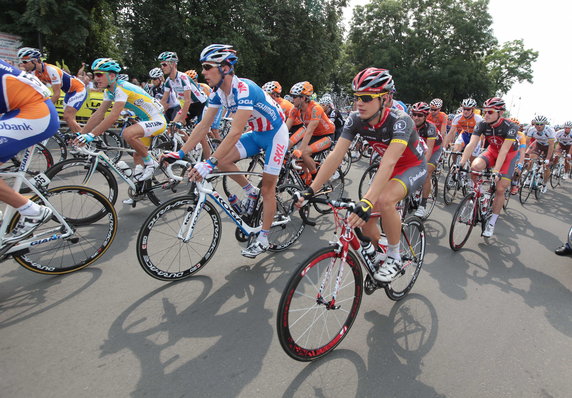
point(496, 135)
point(428, 131)
point(399, 105)
point(136, 100)
point(266, 114)
point(53, 75)
point(467, 125)
point(563, 138)
point(541, 137)
point(28, 116)
point(182, 83)
point(285, 105)
point(314, 112)
point(438, 120)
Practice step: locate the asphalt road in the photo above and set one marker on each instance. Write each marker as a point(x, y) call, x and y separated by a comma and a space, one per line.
point(492, 320)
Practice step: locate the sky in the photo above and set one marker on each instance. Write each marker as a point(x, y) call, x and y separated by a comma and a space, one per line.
point(544, 27)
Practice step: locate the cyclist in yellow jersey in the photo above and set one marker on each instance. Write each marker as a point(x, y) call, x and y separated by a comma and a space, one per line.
point(126, 95)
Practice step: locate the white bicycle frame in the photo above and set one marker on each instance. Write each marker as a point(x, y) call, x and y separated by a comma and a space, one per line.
point(45, 236)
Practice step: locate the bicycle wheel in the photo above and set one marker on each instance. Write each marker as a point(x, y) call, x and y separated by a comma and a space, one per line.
point(91, 238)
point(310, 322)
point(412, 254)
point(525, 189)
point(346, 164)
point(288, 223)
point(555, 176)
point(73, 171)
point(450, 186)
point(463, 222)
point(113, 140)
point(160, 188)
point(57, 147)
point(507, 196)
point(366, 179)
point(335, 191)
point(256, 165)
point(432, 199)
point(538, 184)
point(165, 256)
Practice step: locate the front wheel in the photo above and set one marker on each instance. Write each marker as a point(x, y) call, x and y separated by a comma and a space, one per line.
point(450, 186)
point(463, 222)
point(93, 221)
point(161, 249)
point(316, 311)
point(412, 248)
point(288, 223)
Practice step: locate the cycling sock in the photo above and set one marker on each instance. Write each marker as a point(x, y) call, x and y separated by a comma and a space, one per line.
point(147, 160)
point(423, 202)
point(30, 209)
point(493, 219)
point(263, 236)
point(393, 251)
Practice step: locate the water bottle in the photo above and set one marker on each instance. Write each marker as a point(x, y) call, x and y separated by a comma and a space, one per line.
point(124, 167)
point(369, 249)
point(235, 204)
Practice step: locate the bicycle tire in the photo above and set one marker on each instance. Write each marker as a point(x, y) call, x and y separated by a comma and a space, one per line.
point(283, 234)
point(165, 257)
point(335, 185)
point(57, 147)
point(255, 164)
point(432, 199)
point(555, 177)
point(462, 217)
point(525, 189)
point(73, 172)
point(412, 248)
point(450, 187)
point(161, 188)
point(346, 164)
point(91, 238)
point(366, 179)
point(113, 139)
point(300, 297)
point(539, 185)
point(507, 196)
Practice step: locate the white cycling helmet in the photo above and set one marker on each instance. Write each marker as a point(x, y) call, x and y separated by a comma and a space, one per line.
point(155, 73)
point(568, 124)
point(326, 100)
point(29, 53)
point(436, 103)
point(469, 103)
point(540, 119)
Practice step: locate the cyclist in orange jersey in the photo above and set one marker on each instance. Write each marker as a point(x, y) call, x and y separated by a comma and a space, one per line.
point(438, 118)
point(74, 89)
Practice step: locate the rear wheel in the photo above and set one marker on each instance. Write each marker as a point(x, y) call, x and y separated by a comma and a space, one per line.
point(525, 188)
point(463, 222)
point(312, 322)
point(288, 222)
point(555, 176)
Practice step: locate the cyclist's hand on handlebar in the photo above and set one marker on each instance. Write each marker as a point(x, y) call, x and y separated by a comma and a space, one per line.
point(297, 153)
point(301, 198)
point(172, 157)
point(201, 170)
point(83, 139)
point(360, 213)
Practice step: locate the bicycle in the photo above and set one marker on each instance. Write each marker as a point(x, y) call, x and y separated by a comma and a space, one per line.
point(558, 171)
point(474, 208)
point(82, 227)
point(455, 181)
point(322, 298)
point(180, 237)
point(532, 180)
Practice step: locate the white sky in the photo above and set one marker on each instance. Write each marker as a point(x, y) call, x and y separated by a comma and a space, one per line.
point(544, 27)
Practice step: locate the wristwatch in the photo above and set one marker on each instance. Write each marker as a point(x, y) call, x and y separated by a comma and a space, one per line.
point(213, 160)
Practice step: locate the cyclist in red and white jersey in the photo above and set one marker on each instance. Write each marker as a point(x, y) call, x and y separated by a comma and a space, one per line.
point(543, 144)
point(74, 88)
point(500, 155)
point(564, 147)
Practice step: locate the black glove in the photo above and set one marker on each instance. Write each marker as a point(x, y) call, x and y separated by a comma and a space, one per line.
point(306, 194)
point(363, 209)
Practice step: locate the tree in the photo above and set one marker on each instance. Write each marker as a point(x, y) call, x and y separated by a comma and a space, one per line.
point(509, 64)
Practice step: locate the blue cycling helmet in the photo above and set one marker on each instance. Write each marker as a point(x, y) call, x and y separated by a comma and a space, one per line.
point(29, 53)
point(106, 65)
point(218, 53)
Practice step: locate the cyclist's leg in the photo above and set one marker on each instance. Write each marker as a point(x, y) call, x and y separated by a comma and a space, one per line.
point(506, 172)
point(138, 136)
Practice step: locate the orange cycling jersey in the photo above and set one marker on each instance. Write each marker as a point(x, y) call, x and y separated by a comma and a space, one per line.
point(314, 112)
point(18, 89)
point(438, 120)
point(285, 105)
point(467, 125)
point(53, 75)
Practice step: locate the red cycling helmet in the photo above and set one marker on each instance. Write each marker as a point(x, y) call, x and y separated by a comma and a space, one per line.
point(420, 107)
point(495, 103)
point(374, 80)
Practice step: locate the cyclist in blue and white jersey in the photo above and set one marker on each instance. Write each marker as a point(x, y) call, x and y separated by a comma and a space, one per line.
point(253, 107)
point(125, 95)
point(543, 144)
point(156, 89)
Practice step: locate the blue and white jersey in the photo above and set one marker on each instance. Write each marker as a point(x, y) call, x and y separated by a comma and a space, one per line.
point(542, 136)
point(247, 95)
point(400, 105)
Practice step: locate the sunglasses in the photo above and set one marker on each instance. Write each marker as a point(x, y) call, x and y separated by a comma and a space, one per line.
point(539, 124)
point(208, 66)
point(415, 114)
point(26, 61)
point(98, 74)
point(367, 97)
point(467, 109)
point(297, 96)
point(434, 109)
point(490, 112)
point(163, 64)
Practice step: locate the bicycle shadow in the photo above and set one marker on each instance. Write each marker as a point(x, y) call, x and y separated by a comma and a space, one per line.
point(157, 326)
point(24, 295)
point(397, 344)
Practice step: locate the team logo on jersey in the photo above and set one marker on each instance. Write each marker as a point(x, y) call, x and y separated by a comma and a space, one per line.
point(279, 154)
point(138, 102)
point(242, 87)
point(494, 140)
point(400, 125)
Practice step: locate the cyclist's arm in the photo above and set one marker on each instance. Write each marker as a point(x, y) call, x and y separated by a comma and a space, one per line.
point(182, 115)
point(110, 119)
point(309, 132)
point(200, 130)
point(96, 117)
point(550, 148)
point(165, 98)
point(430, 145)
point(502, 154)
point(289, 122)
point(444, 128)
point(450, 136)
point(236, 128)
point(470, 148)
point(331, 163)
point(56, 88)
point(386, 166)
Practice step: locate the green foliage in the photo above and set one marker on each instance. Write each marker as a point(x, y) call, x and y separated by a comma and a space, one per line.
point(509, 64)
